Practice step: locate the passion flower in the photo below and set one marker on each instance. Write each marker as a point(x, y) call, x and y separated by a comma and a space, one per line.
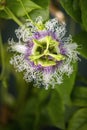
point(43, 52)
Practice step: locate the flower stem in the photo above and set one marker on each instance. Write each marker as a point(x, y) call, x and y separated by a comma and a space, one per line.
point(10, 13)
point(2, 58)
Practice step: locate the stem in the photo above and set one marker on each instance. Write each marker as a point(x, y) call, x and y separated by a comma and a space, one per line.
point(2, 58)
point(10, 13)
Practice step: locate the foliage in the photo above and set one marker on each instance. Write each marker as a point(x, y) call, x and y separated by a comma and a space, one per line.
point(78, 11)
point(33, 108)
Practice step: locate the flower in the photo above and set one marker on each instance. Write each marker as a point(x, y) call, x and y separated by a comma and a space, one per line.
point(43, 52)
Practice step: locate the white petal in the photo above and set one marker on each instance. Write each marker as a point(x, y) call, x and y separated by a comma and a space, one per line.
point(19, 48)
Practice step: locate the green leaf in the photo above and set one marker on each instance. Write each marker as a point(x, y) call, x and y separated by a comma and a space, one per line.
point(83, 5)
point(81, 40)
point(40, 12)
point(44, 12)
point(69, 111)
point(35, 8)
point(79, 96)
point(43, 96)
point(72, 8)
point(43, 3)
point(78, 120)
point(17, 8)
point(28, 114)
point(55, 110)
point(66, 87)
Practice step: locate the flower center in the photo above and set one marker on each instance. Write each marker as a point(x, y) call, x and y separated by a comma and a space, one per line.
point(46, 52)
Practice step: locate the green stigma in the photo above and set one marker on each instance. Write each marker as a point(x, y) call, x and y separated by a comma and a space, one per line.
point(46, 52)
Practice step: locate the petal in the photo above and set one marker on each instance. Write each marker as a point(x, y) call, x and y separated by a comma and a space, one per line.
point(19, 48)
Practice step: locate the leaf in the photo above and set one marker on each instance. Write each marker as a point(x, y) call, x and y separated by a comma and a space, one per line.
point(44, 12)
point(66, 87)
point(69, 111)
point(44, 96)
point(34, 8)
point(17, 8)
point(40, 12)
point(79, 96)
point(55, 110)
point(78, 120)
point(28, 114)
point(72, 8)
point(83, 5)
point(81, 40)
point(43, 3)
